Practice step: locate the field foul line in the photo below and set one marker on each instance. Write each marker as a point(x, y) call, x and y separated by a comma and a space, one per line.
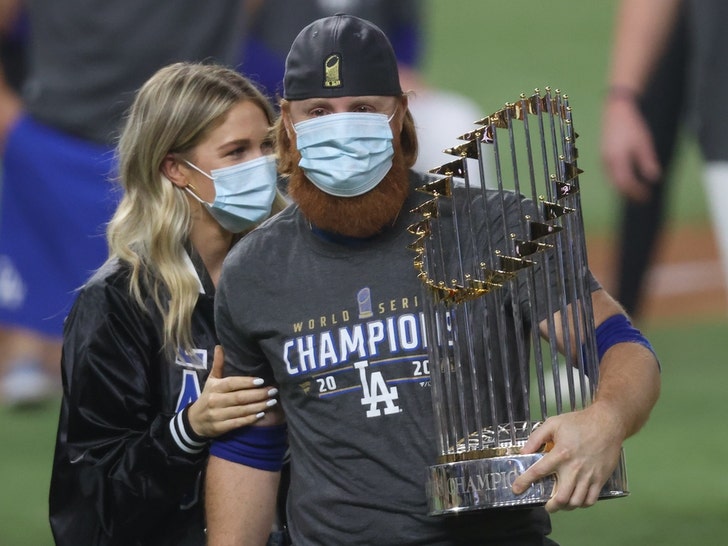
point(685, 278)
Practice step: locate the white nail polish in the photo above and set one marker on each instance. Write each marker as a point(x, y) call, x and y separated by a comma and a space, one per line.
point(271, 402)
point(273, 392)
point(259, 415)
point(258, 381)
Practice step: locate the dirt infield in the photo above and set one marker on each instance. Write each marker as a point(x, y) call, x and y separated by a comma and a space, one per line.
point(685, 280)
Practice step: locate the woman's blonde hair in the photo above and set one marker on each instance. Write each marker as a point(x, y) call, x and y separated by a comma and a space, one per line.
point(173, 112)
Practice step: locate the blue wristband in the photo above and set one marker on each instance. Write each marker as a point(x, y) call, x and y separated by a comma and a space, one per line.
point(259, 447)
point(618, 329)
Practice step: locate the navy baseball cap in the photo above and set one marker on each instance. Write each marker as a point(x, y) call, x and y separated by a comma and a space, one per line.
point(340, 56)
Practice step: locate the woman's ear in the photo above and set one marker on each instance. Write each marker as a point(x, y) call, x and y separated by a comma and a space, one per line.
point(172, 169)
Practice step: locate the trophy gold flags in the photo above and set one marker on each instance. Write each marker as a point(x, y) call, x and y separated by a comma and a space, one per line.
point(500, 250)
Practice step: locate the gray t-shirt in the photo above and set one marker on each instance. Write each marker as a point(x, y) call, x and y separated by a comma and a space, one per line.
point(340, 330)
point(708, 76)
point(88, 58)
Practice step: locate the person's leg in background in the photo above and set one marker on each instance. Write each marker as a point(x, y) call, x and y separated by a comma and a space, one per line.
point(30, 364)
point(54, 209)
point(716, 191)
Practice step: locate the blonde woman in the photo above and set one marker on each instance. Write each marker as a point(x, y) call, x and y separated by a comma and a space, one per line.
point(142, 381)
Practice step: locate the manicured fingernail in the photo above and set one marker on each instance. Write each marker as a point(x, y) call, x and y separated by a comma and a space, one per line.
point(258, 381)
point(259, 415)
point(273, 392)
point(271, 402)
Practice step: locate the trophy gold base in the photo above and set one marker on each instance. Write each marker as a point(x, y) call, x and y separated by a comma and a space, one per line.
point(486, 483)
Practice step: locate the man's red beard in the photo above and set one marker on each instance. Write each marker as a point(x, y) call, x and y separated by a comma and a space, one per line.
point(361, 216)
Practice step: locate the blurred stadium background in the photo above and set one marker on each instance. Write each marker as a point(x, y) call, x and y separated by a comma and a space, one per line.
point(493, 51)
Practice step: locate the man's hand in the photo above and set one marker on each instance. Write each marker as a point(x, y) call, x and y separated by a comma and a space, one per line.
point(628, 150)
point(585, 451)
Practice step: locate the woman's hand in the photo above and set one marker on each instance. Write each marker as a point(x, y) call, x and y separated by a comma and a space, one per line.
point(229, 403)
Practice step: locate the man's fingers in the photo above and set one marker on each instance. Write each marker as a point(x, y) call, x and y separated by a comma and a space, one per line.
point(542, 468)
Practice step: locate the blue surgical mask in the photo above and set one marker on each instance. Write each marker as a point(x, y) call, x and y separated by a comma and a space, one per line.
point(244, 193)
point(345, 154)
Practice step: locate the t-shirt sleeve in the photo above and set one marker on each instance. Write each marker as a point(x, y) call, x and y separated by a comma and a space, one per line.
point(243, 355)
point(560, 274)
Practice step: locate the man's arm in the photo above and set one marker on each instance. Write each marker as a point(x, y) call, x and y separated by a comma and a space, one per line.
point(641, 31)
point(587, 443)
point(9, 101)
point(240, 501)
point(10, 107)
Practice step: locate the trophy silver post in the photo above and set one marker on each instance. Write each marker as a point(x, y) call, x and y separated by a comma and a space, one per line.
point(488, 272)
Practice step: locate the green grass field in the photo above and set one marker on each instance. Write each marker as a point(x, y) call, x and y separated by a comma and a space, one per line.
point(493, 51)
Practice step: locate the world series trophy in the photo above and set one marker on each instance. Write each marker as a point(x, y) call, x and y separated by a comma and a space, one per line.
point(491, 275)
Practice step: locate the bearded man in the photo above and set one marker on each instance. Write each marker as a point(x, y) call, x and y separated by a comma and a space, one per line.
point(323, 303)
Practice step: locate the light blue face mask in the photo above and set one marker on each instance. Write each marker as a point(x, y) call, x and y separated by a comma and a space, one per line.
point(345, 154)
point(244, 193)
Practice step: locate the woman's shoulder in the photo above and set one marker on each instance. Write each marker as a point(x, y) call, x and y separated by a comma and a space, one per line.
point(106, 294)
point(113, 273)
point(107, 288)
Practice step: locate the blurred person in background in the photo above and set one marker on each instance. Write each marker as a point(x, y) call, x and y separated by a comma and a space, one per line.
point(85, 64)
point(440, 115)
point(643, 216)
point(669, 63)
point(143, 387)
point(13, 60)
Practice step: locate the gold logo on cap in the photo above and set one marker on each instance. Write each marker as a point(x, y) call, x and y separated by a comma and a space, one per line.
point(332, 65)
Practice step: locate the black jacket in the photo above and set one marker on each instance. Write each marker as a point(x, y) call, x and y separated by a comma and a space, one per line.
point(127, 468)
